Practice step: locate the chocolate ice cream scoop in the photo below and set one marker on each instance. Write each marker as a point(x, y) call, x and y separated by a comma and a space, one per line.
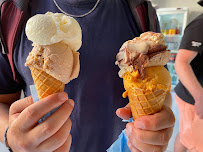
point(147, 50)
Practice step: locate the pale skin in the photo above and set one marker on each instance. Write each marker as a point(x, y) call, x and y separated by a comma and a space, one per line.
point(189, 80)
point(149, 133)
point(25, 134)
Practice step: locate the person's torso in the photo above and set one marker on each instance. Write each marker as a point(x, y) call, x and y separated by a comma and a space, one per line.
point(192, 40)
point(97, 91)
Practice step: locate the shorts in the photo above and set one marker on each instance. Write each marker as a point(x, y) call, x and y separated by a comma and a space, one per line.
point(190, 126)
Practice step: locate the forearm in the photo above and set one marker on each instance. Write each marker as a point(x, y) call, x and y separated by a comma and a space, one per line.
point(4, 115)
point(188, 79)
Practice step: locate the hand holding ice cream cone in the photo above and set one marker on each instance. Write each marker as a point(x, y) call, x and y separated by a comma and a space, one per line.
point(147, 84)
point(146, 81)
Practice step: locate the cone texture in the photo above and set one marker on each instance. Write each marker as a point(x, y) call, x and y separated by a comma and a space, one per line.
point(145, 102)
point(46, 84)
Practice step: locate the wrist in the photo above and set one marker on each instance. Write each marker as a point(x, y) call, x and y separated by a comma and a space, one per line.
point(6, 140)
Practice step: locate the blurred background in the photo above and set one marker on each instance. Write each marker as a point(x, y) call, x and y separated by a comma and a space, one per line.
point(174, 16)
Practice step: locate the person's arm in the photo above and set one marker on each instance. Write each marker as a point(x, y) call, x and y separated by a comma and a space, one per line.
point(185, 72)
point(188, 78)
point(26, 134)
point(5, 101)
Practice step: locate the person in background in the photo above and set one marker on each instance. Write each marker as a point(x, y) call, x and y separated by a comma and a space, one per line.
point(189, 91)
point(96, 92)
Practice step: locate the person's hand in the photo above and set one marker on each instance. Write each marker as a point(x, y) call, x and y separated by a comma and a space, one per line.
point(198, 105)
point(149, 133)
point(25, 134)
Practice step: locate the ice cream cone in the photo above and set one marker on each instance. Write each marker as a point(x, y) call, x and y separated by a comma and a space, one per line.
point(146, 96)
point(45, 84)
point(146, 81)
point(145, 102)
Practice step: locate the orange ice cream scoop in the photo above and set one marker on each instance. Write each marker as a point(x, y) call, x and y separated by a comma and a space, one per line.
point(156, 77)
point(146, 96)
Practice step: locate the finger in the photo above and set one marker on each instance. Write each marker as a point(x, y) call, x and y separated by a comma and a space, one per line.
point(58, 139)
point(161, 120)
point(145, 147)
point(31, 115)
point(131, 147)
point(161, 137)
point(124, 113)
point(66, 146)
point(53, 123)
point(18, 106)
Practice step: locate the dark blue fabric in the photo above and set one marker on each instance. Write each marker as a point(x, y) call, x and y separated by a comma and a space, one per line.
point(7, 84)
point(97, 91)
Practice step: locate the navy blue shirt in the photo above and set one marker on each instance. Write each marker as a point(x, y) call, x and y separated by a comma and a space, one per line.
point(97, 91)
point(193, 41)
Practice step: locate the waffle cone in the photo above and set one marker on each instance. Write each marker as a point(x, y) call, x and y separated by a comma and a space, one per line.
point(46, 84)
point(146, 96)
point(145, 102)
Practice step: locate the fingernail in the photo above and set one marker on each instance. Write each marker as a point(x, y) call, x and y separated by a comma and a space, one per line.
point(139, 124)
point(71, 102)
point(62, 96)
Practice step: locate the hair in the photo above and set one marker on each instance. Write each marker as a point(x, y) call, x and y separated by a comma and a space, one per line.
point(200, 2)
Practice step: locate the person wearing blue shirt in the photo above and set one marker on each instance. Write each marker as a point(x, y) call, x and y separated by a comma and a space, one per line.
point(92, 125)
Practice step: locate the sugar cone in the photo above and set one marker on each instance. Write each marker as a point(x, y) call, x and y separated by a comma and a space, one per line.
point(46, 84)
point(145, 102)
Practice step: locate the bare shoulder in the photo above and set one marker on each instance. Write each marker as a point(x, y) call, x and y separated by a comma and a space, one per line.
point(9, 98)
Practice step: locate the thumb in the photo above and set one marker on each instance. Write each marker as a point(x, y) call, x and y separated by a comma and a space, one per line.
point(125, 112)
point(18, 106)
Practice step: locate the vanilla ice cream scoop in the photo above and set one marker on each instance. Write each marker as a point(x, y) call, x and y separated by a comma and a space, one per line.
point(50, 28)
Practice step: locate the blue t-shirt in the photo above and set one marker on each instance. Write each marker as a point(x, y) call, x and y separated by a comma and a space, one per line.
point(97, 91)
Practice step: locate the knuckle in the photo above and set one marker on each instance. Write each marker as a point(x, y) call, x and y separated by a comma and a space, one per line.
point(25, 145)
point(30, 113)
point(12, 131)
point(47, 129)
point(13, 108)
point(60, 139)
